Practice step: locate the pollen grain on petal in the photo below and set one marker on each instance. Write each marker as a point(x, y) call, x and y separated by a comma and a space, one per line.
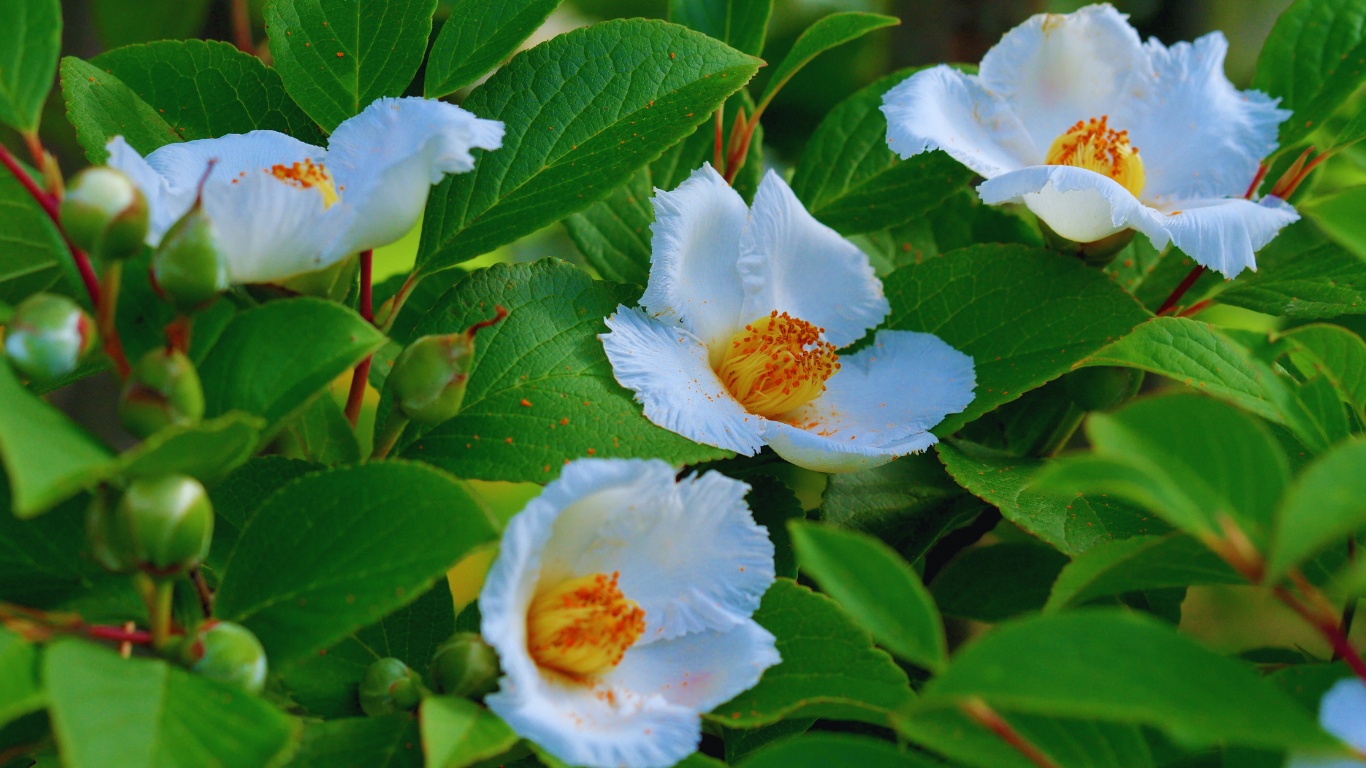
point(307, 174)
point(1093, 145)
point(777, 363)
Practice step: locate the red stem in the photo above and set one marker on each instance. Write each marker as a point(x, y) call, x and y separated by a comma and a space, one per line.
point(1256, 181)
point(367, 311)
point(718, 159)
point(119, 634)
point(1196, 308)
point(49, 205)
point(982, 714)
point(1181, 289)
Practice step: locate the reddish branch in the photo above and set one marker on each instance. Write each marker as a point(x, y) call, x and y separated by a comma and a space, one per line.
point(982, 714)
point(356, 396)
point(49, 206)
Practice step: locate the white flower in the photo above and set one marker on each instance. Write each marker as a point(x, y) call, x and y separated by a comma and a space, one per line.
point(735, 346)
point(620, 607)
point(281, 207)
point(1342, 712)
point(1097, 132)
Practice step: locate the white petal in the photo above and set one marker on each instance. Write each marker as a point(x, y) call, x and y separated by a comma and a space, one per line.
point(695, 244)
point(699, 671)
point(880, 405)
point(1342, 712)
point(1078, 204)
point(1057, 69)
point(163, 205)
point(669, 370)
point(792, 263)
point(942, 108)
point(268, 230)
point(385, 160)
point(1224, 234)
point(1199, 137)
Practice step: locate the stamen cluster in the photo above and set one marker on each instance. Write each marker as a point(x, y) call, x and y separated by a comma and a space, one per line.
point(1093, 145)
point(583, 626)
point(777, 363)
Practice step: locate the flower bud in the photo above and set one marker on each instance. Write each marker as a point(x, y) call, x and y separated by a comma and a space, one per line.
point(105, 213)
point(389, 686)
point(162, 389)
point(47, 337)
point(465, 666)
point(228, 653)
point(429, 377)
point(167, 522)
point(187, 268)
point(107, 546)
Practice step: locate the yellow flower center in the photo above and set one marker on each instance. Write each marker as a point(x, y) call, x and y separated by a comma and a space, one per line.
point(582, 626)
point(777, 363)
point(1090, 144)
point(307, 175)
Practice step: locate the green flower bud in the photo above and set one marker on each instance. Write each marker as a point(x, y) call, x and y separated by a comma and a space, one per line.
point(162, 389)
point(187, 268)
point(466, 666)
point(389, 686)
point(429, 377)
point(228, 653)
point(1096, 254)
point(105, 213)
point(1103, 387)
point(167, 522)
point(48, 336)
point(107, 545)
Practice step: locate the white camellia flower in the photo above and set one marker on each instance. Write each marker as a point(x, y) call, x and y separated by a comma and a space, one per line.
point(1342, 712)
point(1097, 133)
point(735, 344)
point(620, 608)
point(282, 208)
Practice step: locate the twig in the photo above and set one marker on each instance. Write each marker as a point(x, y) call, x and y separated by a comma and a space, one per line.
point(982, 714)
point(356, 396)
point(49, 206)
point(1181, 289)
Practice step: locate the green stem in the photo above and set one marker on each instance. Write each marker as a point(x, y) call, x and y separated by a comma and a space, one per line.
point(392, 429)
point(158, 594)
point(1062, 431)
point(105, 314)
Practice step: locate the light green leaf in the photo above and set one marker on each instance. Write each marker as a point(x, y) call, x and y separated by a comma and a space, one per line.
point(32, 253)
point(258, 368)
point(30, 41)
point(109, 711)
point(337, 56)
point(324, 435)
point(830, 32)
point(125, 22)
point(1335, 353)
point(100, 107)
point(1320, 283)
point(583, 111)
point(337, 550)
point(20, 692)
point(476, 37)
point(876, 587)
point(206, 88)
point(1070, 742)
point(208, 451)
point(830, 668)
point(1039, 314)
point(1143, 562)
point(541, 390)
point(457, 732)
point(1339, 215)
point(1313, 59)
point(741, 24)
point(849, 179)
point(1322, 507)
point(997, 582)
point(1064, 665)
point(819, 750)
point(391, 741)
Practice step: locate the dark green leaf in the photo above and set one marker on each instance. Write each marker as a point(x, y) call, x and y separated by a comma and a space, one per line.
point(20, 692)
point(583, 111)
point(541, 390)
point(32, 252)
point(1140, 563)
point(1314, 58)
point(1070, 742)
point(42, 561)
point(740, 742)
point(886, 500)
point(337, 56)
point(876, 587)
point(1322, 507)
point(124, 22)
point(30, 41)
point(457, 732)
point(997, 582)
point(819, 750)
point(773, 505)
point(324, 435)
point(1334, 353)
point(1040, 313)
point(100, 107)
point(338, 549)
point(391, 741)
point(1323, 282)
point(830, 32)
point(236, 499)
point(741, 24)
point(476, 37)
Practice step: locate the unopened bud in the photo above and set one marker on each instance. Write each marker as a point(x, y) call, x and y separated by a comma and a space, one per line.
point(465, 666)
point(430, 375)
point(48, 336)
point(105, 213)
point(162, 389)
point(167, 522)
point(228, 653)
point(389, 686)
point(108, 546)
point(187, 268)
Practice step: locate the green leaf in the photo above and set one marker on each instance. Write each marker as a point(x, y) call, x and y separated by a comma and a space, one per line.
point(1067, 665)
point(206, 88)
point(1070, 521)
point(741, 24)
point(47, 457)
point(849, 179)
point(773, 505)
point(876, 587)
point(337, 56)
point(391, 741)
point(830, 32)
point(20, 692)
point(830, 668)
point(237, 497)
point(30, 42)
point(888, 500)
point(1335, 353)
point(107, 711)
point(338, 549)
point(541, 390)
point(583, 111)
point(741, 742)
point(1322, 507)
point(32, 253)
point(125, 22)
point(1040, 313)
point(1323, 282)
point(324, 435)
point(997, 582)
point(818, 750)
point(1143, 562)
point(258, 368)
point(457, 732)
point(207, 451)
point(42, 561)
point(1339, 213)
point(476, 37)
point(100, 107)
point(1313, 59)
point(1070, 742)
